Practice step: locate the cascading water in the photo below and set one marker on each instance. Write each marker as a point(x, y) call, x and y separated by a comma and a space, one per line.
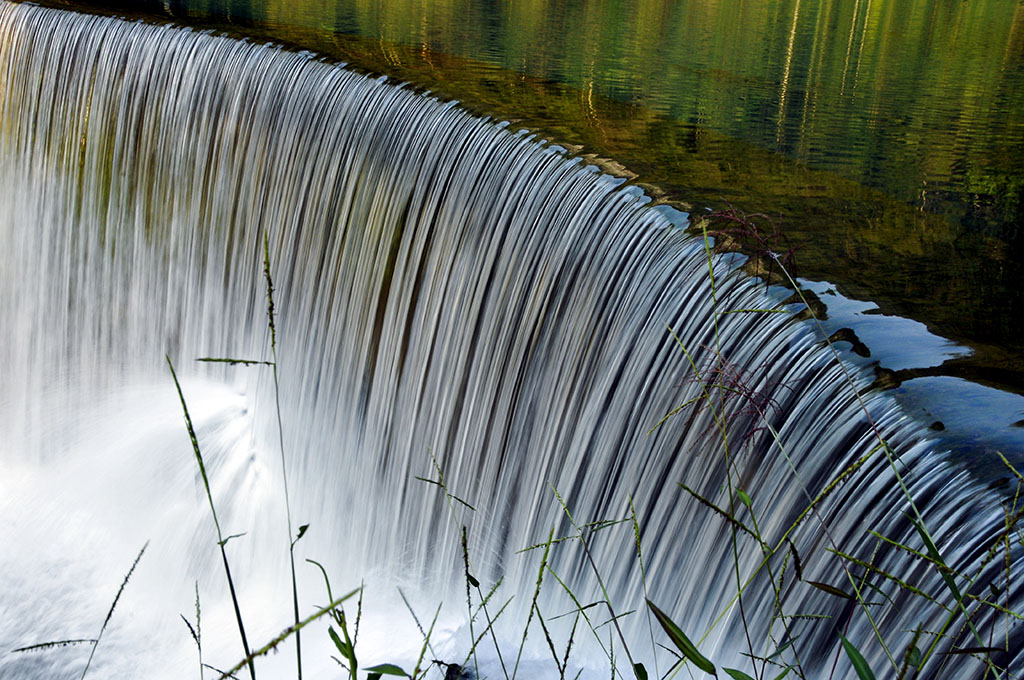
point(448, 290)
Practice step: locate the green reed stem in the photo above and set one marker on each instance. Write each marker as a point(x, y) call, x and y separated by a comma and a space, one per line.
point(216, 523)
point(280, 436)
point(110, 612)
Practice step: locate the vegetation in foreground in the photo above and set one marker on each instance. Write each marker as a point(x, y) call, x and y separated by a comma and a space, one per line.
point(758, 236)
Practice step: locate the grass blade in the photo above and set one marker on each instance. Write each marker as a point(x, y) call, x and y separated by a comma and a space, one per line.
point(859, 664)
point(736, 675)
point(682, 642)
point(387, 669)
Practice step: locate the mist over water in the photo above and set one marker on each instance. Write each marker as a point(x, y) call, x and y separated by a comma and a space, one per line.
point(454, 296)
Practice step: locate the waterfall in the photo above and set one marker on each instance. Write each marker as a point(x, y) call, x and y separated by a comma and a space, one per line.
point(455, 298)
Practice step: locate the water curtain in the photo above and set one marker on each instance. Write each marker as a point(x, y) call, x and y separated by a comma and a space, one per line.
point(457, 299)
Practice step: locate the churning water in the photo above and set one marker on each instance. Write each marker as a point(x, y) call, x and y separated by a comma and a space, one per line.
point(449, 290)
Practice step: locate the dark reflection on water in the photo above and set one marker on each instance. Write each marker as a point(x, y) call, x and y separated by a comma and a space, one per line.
point(887, 134)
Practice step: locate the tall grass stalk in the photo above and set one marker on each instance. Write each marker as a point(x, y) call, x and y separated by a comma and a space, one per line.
point(730, 464)
point(743, 226)
point(113, 605)
point(917, 519)
point(221, 541)
point(426, 643)
point(643, 581)
point(471, 581)
point(416, 619)
point(197, 631)
point(719, 414)
point(280, 436)
point(347, 646)
point(600, 580)
point(93, 641)
point(778, 441)
point(533, 602)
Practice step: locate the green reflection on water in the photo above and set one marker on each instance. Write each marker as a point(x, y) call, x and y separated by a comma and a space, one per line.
point(917, 97)
point(887, 134)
